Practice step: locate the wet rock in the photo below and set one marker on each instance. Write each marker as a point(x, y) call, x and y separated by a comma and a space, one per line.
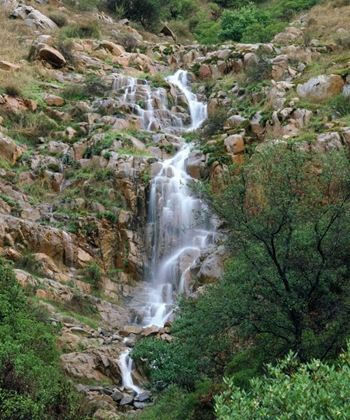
point(127, 400)
point(117, 396)
point(152, 330)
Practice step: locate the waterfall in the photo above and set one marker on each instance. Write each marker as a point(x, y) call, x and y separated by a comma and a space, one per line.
point(126, 367)
point(151, 106)
point(198, 110)
point(69, 253)
point(175, 237)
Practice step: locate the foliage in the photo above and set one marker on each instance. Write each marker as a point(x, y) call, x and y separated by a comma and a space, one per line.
point(59, 18)
point(31, 385)
point(92, 274)
point(206, 32)
point(83, 30)
point(288, 224)
point(147, 12)
point(340, 103)
point(235, 23)
point(314, 390)
point(178, 404)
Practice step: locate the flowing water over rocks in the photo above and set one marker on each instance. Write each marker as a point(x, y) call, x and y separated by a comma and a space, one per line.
point(177, 230)
point(150, 107)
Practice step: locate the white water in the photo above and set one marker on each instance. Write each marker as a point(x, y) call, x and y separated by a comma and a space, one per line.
point(127, 367)
point(175, 237)
point(150, 105)
point(198, 110)
point(68, 247)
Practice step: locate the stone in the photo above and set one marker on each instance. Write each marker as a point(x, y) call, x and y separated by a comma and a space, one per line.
point(114, 49)
point(321, 87)
point(33, 17)
point(127, 400)
point(130, 329)
point(53, 100)
point(9, 149)
point(196, 165)
point(143, 396)
point(7, 66)
point(117, 396)
point(326, 142)
point(168, 32)
point(152, 330)
point(44, 52)
point(234, 144)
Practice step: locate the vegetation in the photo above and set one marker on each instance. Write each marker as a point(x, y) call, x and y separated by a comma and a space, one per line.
point(286, 287)
point(31, 385)
point(314, 390)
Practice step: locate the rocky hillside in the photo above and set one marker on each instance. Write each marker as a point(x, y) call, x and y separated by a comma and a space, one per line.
point(86, 115)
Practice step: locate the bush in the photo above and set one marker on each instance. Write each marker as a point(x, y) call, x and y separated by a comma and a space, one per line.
point(341, 105)
point(92, 275)
point(31, 385)
point(234, 23)
point(308, 391)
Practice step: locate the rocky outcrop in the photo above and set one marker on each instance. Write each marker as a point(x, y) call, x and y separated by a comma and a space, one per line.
point(321, 87)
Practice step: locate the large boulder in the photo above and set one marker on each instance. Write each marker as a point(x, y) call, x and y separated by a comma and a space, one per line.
point(321, 87)
point(44, 52)
point(33, 17)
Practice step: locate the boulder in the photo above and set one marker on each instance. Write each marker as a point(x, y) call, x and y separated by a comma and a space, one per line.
point(326, 142)
point(9, 149)
point(7, 66)
point(321, 87)
point(44, 52)
point(113, 48)
point(33, 17)
point(234, 144)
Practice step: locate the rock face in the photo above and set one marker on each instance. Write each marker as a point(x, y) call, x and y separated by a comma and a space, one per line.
point(321, 87)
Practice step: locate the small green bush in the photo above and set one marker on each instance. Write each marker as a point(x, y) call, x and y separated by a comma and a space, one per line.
point(92, 275)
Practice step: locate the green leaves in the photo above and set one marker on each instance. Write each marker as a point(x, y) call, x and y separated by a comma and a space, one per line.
point(290, 391)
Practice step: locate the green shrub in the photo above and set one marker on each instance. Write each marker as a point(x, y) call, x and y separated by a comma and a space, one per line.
point(31, 385)
point(312, 391)
point(234, 23)
point(92, 275)
point(341, 104)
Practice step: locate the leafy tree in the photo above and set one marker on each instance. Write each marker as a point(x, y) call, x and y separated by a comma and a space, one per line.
point(235, 22)
point(314, 391)
point(287, 212)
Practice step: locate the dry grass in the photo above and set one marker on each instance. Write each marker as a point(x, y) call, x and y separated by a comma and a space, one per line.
point(328, 22)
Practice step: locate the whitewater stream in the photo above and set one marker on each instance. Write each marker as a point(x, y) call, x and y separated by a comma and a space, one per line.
point(175, 234)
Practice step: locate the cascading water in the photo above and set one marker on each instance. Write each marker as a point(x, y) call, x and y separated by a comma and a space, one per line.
point(175, 237)
point(198, 110)
point(150, 104)
point(127, 367)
